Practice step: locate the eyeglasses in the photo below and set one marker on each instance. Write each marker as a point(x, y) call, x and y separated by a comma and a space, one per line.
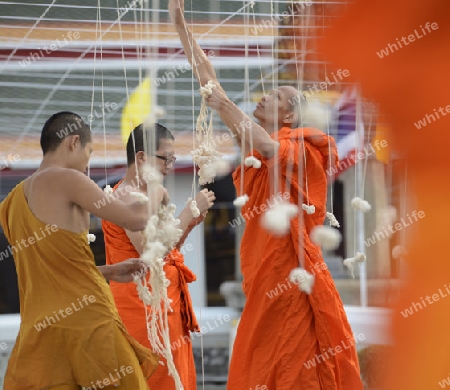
point(167, 160)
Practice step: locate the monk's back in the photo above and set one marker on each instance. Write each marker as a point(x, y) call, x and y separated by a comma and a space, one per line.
point(63, 297)
point(44, 192)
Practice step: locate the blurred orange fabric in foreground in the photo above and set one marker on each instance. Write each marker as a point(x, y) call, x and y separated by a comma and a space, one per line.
point(410, 83)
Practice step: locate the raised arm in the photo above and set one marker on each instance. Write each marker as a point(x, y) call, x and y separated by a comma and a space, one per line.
point(201, 65)
point(233, 117)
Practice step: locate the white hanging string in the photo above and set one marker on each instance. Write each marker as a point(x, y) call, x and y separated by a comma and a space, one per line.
point(55, 88)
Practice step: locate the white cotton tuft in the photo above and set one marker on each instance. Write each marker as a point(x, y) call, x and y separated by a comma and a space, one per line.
point(91, 237)
point(151, 175)
point(326, 237)
point(277, 220)
point(240, 200)
point(193, 206)
point(315, 114)
point(398, 252)
point(310, 209)
point(252, 161)
point(108, 190)
point(386, 216)
point(221, 167)
point(303, 278)
point(139, 196)
point(333, 221)
point(154, 250)
point(350, 262)
point(360, 204)
point(206, 90)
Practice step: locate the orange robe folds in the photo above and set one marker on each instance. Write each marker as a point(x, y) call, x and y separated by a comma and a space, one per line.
point(132, 311)
point(286, 339)
point(70, 331)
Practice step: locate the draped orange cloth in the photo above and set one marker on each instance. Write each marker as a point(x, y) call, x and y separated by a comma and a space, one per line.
point(70, 331)
point(182, 319)
point(410, 84)
point(287, 339)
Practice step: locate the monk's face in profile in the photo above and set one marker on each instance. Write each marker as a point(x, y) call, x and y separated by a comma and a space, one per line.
point(276, 107)
point(163, 159)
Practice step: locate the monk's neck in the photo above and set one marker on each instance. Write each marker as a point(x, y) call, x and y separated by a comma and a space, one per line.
point(131, 179)
point(271, 127)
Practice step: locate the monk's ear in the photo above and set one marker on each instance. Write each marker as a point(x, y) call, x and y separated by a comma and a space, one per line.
point(74, 140)
point(141, 157)
point(290, 118)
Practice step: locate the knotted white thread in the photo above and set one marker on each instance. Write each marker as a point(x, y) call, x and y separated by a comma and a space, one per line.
point(333, 221)
point(310, 209)
point(350, 262)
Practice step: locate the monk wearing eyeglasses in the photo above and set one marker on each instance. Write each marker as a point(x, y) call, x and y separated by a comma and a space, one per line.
point(121, 243)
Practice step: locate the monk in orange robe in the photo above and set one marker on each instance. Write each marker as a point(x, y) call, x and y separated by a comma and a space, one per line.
point(70, 334)
point(122, 244)
point(291, 340)
point(399, 53)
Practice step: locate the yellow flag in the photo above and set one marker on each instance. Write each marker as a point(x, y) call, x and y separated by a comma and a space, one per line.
point(137, 109)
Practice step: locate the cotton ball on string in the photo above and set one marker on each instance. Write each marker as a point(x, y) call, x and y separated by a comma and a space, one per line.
point(310, 209)
point(326, 237)
point(303, 278)
point(350, 262)
point(360, 204)
point(240, 200)
point(277, 220)
point(386, 216)
point(222, 167)
point(193, 206)
point(398, 252)
point(333, 221)
point(252, 161)
point(316, 115)
point(108, 190)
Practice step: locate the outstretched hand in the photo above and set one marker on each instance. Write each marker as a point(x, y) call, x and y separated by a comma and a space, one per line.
point(125, 271)
point(205, 200)
point(176, 11)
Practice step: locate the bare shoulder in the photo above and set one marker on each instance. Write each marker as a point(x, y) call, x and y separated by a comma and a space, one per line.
point(57, 180)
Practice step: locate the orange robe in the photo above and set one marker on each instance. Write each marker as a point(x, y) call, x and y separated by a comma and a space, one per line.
point(132, 311)
point(410, 84)
point(70, 331)
point(290, 340)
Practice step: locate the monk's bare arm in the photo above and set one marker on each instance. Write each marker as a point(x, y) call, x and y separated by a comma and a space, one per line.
point(234, 118)
point(82, 191)
point(201, 65)
point(240, 123)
